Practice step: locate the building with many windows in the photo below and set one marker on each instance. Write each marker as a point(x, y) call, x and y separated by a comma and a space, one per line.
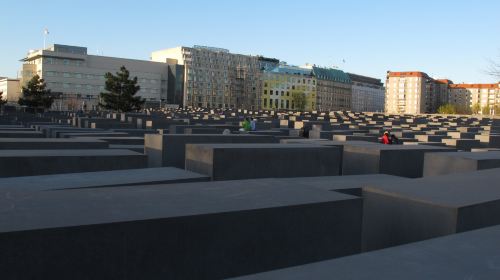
point(485, 97)
point(408, 92)
point(334, 89)
point(283, 85)
point(10, 89)
point(368, 94)
point(416, 93)
point(216, 78)
point(78, 78)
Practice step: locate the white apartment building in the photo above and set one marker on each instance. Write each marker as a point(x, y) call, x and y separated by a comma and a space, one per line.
point(77, 77)
point(10, 88)
point(468, 95)
point(368, 94)
point(407, 93)
point(214, 77)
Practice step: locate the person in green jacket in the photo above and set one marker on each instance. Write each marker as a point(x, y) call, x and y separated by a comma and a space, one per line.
point(246, 125)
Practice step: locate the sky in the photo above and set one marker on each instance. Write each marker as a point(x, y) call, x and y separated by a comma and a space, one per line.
point(446, 39)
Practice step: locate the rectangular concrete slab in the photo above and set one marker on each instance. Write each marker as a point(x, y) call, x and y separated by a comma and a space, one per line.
point(457, 162)
point(398, 213)
point(208, 230)
point(249, 161)
point(470, 255)
point(127, 177)
point(50, 144)
point(40, 162)
point(170, 149)
point(20, 134)
point(372, 158)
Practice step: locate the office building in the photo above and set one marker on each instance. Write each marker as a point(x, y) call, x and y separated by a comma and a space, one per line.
point(216, 78)
point(334, 89)
point(368, 94)
point(76, 77)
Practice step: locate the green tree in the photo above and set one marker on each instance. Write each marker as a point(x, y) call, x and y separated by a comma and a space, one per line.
point(447, 109)
point(2, 101)
point(476, 108)
point(121, 90)
point(299, 99)
point(36, 95)
point(486, 110)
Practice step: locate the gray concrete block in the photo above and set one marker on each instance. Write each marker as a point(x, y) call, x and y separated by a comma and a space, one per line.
point(491, 140)
point(446, 163)
point(20, 134)
point(471, 255)
point(355, 138)
point(462, 144)
point(419, 209)
point(99, 179)
point(170, 149)
point(50, 144)
point(248, 161)
point(40, 162)
point(127, 140)
point(461, 135)
point(372, 158)
point(430, 138)
point(180, 231)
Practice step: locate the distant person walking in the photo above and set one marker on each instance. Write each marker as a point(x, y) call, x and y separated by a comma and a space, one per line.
point(253, 125)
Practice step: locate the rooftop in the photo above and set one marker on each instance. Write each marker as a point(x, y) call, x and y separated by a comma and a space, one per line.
point(331, 74)
point(407, 74)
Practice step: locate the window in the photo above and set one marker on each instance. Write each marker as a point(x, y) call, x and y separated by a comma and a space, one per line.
point(265, 92)
point(66, 75)
point(65, 85)
point(78, 75)
point(265, 102)
point(271, 92)
point(90, 76)
point(282, 93)
point(65, 61)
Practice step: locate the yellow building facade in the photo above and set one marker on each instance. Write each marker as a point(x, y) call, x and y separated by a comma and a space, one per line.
point(288, 88)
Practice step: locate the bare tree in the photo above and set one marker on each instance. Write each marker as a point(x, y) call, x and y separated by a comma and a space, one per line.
point(494, 68)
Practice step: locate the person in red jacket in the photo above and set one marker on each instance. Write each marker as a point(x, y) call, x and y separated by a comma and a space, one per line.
point(385, 139)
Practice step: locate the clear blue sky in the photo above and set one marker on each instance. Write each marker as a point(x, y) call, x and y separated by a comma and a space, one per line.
point(448, 39)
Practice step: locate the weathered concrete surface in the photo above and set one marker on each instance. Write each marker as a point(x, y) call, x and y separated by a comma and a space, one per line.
point(398, 213)
point(170, 149)
point(99, 179)
point(41, 162)
point(208, 230)
point(470, 255)
point(20, 134)
point(249, 161)
point(50, 144)
point(372, 158)
point(446, 163)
